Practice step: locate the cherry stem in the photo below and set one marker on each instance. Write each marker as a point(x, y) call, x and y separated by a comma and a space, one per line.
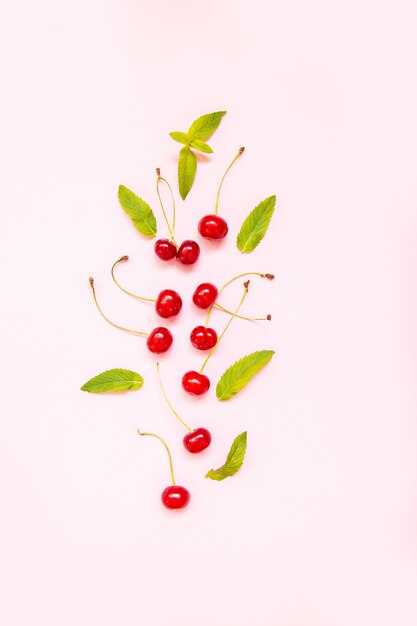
point(245, 293)
point(168, 402)
point(242, 317)
point(170, 228)
point(216, 209)
point(166, 448)
point(216, 304)
point(127, 330)
point(129, 293)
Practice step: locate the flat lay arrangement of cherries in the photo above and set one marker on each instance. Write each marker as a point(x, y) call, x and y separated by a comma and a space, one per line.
point(205, 297)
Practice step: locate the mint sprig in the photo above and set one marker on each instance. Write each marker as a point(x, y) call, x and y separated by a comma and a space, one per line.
point(200, 130)
point(240, 373)
point(234, 459)
point(113, 380)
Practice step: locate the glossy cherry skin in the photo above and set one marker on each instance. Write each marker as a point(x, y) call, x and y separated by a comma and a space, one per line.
point(195, 383)
point(188, 252)
point(197, 440)
point(168, 303)
point(175, 497)
point(165, 249)
point(212, 227)
point(159, 340)
point(205, 295)
point(203, 338)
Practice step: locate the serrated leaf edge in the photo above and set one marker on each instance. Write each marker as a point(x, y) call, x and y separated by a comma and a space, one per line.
point(221, 398)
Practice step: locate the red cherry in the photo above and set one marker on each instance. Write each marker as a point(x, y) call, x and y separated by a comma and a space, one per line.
point(203, 338)
point(205, 295)
point(159, 340)
point(195, 383)
point(175, 497)
point(213, 227)
point(188, 252)
point(197, 440)
point(165, 249)
point(168, 303)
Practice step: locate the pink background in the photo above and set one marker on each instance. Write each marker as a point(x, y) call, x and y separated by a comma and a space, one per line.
point(319, 528)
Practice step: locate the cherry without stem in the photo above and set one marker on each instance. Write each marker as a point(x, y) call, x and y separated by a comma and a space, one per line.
point(167, 304)
point(174, 496)
point(195, 440)
point(159, 340)
point(213, 226)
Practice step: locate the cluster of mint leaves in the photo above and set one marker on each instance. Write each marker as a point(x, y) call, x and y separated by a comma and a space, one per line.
point(195, 138)
point(251, 233)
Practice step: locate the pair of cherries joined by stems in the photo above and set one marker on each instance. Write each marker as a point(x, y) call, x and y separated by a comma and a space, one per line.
point(167, 249)
point(211, 227)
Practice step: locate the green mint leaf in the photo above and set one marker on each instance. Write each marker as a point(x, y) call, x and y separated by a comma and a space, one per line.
point(204, 126)
point(114, 380)
point(201, 146)
point(234, 459)
point(187, 166)
point(240, 373)
point(255, 225)
point(139, 211)
point(180, 137)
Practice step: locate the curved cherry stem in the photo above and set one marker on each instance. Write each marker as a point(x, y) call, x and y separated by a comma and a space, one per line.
point(171, 228)
point(216, 208)
point(129, 293)
point(245, 293)
point(166, 448)
point(127, 330)
point(219, 306)
point(242, 317)
point(168, 402)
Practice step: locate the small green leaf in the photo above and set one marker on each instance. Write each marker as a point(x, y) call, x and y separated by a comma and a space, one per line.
point(255, 225)
point(201, 146)
point(187, 166)
point(234, 459)
point(114, 380)
point(139, 211)
point(240, 373)
point(204, 126)
point(180, 137)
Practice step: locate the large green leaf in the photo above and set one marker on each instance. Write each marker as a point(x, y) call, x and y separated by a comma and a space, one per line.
point(255, 225)
point(114, 380)
point(203, 127)
point(187, 166)
point(234, 459)
point(138, 210)
point(240, 373)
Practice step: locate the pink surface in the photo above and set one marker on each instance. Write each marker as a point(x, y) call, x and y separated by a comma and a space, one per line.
point(319, 528)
